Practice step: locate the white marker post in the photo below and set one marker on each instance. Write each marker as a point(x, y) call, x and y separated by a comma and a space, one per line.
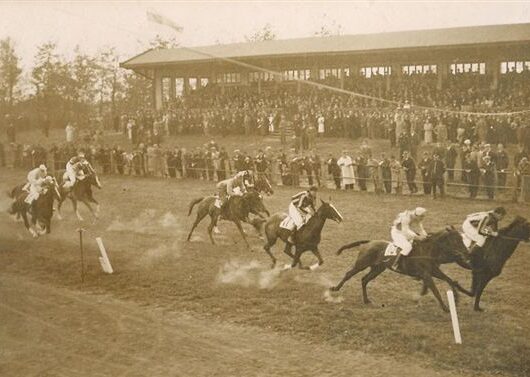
point(454, 317)
point(104, 259)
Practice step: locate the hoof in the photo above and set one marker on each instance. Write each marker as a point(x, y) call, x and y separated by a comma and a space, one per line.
point(367, 302)
point(314, 266)
point(478, 309)
point(334, 289)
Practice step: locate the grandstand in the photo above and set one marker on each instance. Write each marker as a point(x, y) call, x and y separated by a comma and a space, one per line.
point(485, 51)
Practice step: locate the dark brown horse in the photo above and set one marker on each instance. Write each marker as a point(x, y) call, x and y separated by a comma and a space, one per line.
point(488, 262)
point(41, 211)
point(81, 192)
point(420, 263)
point(237, 210)
point(307, 238)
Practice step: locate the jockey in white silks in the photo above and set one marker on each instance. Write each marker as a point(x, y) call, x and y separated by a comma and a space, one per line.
point(74, 170)
point(226, 188)
point(478, 226)
point(36, 178)
point(301, 208)
point(407, 227)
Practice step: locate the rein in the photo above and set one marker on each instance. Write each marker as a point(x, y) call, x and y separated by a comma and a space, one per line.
point(513, 238)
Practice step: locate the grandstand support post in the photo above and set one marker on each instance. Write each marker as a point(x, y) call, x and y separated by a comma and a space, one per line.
point(81, 230)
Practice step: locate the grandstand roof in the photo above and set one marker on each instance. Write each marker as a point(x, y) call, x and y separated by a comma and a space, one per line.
point(459, 36)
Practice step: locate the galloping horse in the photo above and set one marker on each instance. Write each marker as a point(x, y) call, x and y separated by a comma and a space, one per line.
point(81, 192)
point(307, 238)
point(488, 262)
point(42, 208)
point(420, 264)
point(236, 210)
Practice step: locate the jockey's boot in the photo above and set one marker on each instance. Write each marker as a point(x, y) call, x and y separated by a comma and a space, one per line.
point(395, 265)
point(475, 256)
point(292, 236)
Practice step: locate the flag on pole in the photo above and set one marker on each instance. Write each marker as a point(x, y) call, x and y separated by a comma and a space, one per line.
point(158, 19)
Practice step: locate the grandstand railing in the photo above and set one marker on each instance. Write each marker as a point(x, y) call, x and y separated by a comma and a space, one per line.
point(517, 190)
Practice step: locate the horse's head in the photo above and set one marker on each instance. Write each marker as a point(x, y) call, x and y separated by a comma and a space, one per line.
point(450, 240)
point(519, 228)
point(93, 178)
point(328, 211)
point(50, 183)
point(255, 203)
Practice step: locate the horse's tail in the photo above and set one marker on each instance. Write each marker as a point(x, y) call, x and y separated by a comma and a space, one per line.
point(192, 204)
point(352, 245)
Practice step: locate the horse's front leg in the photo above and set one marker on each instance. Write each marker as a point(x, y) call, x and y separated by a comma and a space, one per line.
point(76, 209)
point(91, 210)
point(296, 260)
point(438, 273)
point(240, 228)
point(24, 215)
point(427, 279)
point(316, 253)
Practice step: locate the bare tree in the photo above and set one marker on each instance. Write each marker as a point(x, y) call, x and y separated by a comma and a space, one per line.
point(266, 33)
point(329, 28)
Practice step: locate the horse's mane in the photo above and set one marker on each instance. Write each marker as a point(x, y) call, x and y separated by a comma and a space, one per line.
point(515, 222)
point(441, 234)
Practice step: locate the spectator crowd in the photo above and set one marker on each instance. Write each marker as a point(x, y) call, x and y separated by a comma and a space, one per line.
point(464, 149)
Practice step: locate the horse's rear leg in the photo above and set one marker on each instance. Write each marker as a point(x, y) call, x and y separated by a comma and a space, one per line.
point(375, 271)
point(355, 270)
point(267, 248)
point(428, 281)
point(213, 221)
point(195, 223)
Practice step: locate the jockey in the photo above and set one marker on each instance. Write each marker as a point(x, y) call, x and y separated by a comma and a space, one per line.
point(74, 169)
point(36, 178)
point(407, 227)
point(301, 208)
point(234, 186)
point(478, 226)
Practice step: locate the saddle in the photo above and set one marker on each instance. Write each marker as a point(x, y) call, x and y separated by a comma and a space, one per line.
point(392, 250)
point(288, 223)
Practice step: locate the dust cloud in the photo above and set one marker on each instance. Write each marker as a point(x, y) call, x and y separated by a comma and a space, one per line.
point(249, 274)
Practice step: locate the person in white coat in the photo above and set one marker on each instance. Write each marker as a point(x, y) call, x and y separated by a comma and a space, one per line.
point(345, 163)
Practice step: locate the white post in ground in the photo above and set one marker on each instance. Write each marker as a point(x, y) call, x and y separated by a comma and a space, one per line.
point(104, 259)
point(454, 317)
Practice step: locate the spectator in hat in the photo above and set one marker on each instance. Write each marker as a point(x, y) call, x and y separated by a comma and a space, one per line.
point(437, 176)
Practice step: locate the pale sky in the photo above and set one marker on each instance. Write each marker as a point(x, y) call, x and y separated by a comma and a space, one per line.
point(123, 24)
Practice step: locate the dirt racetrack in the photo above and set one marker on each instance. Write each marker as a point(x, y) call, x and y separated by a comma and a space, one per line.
point(50, 331)
point(193, 309)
